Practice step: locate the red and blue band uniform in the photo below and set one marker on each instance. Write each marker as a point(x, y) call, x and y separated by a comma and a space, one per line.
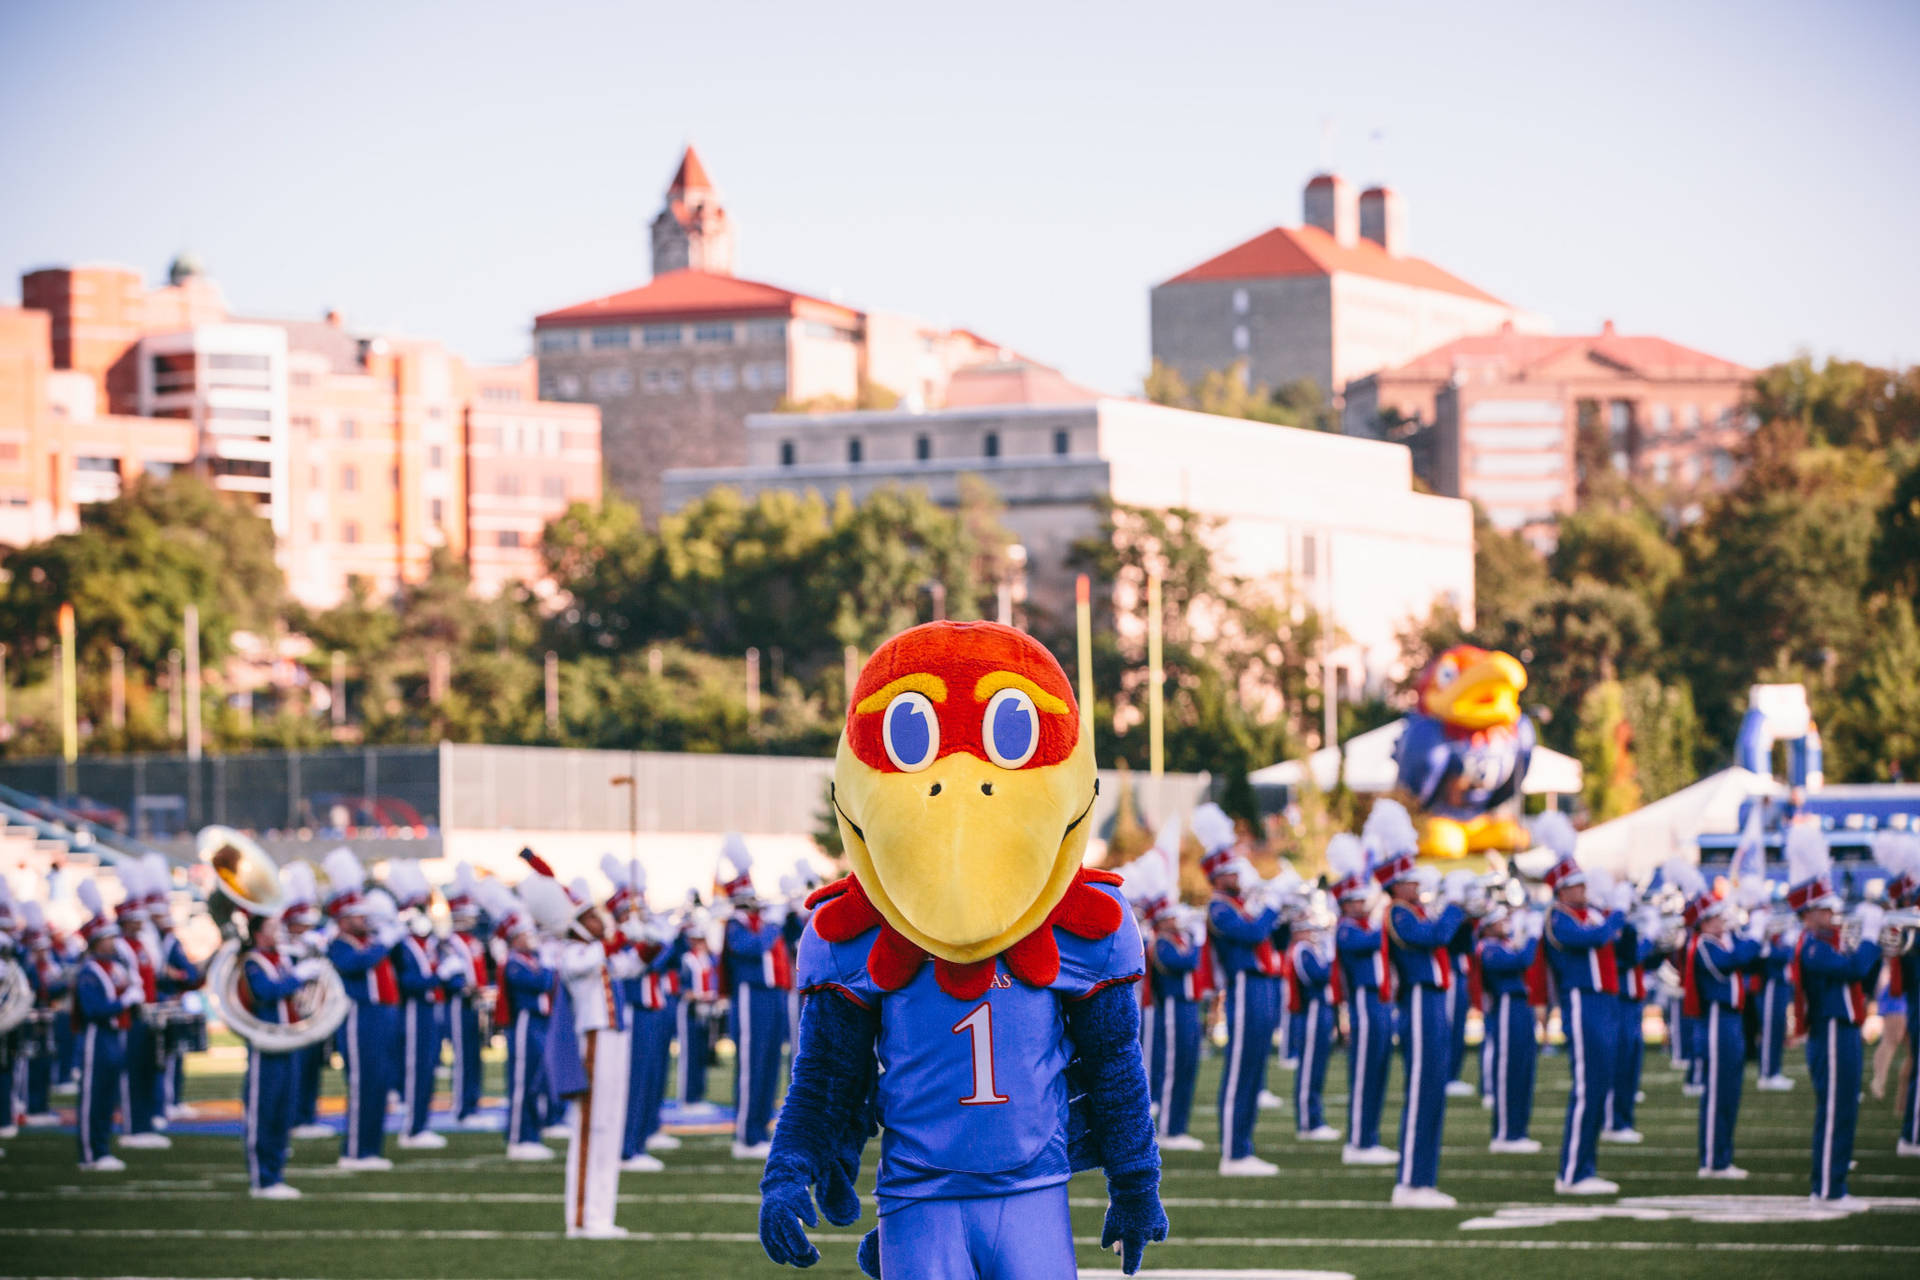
point(1310, 983)
point(1181, 979)
point(1249, 966)
point(1776, 1000)
point(465, 1036)
point(51, 982)
point(369, 1042)
point(1833, 985)
point(972, 1098)
point(1419, 973)
point(1632, 953)
point(759, 969)
point(1714, 972)
point(1586, 973)
point(1459, 998)
point(1512, 1052)
point(652, 999)
point(178, 975)
point(1905, 981)
point(140, 1086)
point(422, 992)
point(792, 928)
point(527, 988)
point(103, 996)
point(699, 990)
point(267, 984)
point(1293, 1022)
point(1369, 1028)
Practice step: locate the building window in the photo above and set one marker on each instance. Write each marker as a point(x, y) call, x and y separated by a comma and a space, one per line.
point(1722, 467)
point(510, 484)
point(111, 465)
point(1309, 556)
point(660, 335)
point(1239, 302)
point(553, 488)
point(786, 453)
point(750, 376)
point(825, 332)
point(611, 382)
point(723, 377)
point(650, 381)
point(922, 448)
point(569, 386)
point(1662, 419)
point(1241, 339)
point(615, 337)
point(350, 532)
point(349, 479)
point(160, 470)
point(672, 380)
point(436, 457)
point(766, 331)
point(437, 512)
point(300, 422)
point(1061, 443)
point(1690, 417)
point(854, 451)
point(1662, 469)
point(992, 445)
point(716, 331)
point(234, 413)
point(509, 537)
point(349, 429)
point(554, 340)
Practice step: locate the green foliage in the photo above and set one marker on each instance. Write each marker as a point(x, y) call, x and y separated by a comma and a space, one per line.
point(1665, 735)
point(1230, 394)
point(1843, 402)
point(1873, 729)
point(1604, 741)
point(1893, 566)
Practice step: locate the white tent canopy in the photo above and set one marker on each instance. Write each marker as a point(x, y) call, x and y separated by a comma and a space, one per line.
point(1370, 767)
point(1633, 844)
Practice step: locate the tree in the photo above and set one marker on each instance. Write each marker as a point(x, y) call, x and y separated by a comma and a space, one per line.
point(1623, 548)
point(1665, 734)
point(1843, 402)
point(1604, 742)
point(1873, 727)
point(1893, 563)
point(1230, 393)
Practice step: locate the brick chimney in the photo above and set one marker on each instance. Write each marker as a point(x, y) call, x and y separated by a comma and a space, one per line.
point(1328, 204)
point(1383, 219)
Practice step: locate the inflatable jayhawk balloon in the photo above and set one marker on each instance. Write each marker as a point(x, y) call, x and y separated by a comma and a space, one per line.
point(1464, 752)
point(969, 987)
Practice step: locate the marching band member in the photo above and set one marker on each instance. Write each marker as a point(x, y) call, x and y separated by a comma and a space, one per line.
point(13, 1086)
point(1899, 853)
point(268, 982)
point(1507, 947)
point(426, 978)
point(1713, 968)
point(105, 995)
point(648, 994)
point(176, 976)
point(1776, 1000)
point(1249, 966)
point(1454, 886)
point(1580, 952)
point(302, 936)
point(796, 888)
point(1832, 979)
point(1369, 1018)
point(1417, 973)
point(1181, 977)
point(699, 993)
point(525, 1006)
point(52, 982)
point(1311, 980)
point(466, 1034)
point(362, 954)
point(587, 1048)
point(140, 1098)
point(1617, 1106)
point(759, 973)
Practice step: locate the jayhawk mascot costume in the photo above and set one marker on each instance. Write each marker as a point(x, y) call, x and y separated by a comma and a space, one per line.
point(1465, 751)
point(969, 986)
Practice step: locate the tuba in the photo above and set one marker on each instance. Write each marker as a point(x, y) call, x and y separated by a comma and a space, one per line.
point(246, 885)
point(16, 995)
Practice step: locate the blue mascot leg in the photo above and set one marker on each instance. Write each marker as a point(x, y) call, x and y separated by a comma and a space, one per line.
point(1022, 1237)
point(927, 1238)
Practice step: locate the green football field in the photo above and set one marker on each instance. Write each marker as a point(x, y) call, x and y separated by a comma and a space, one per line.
point(466, 1212)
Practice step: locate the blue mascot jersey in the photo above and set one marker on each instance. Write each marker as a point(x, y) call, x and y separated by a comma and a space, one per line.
point(973, 1093)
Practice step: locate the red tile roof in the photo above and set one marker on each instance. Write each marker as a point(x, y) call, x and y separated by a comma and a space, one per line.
point(1647, 356)
point(696, 294)
point(1013, 382)
point(1309, 251)
point(690, 174)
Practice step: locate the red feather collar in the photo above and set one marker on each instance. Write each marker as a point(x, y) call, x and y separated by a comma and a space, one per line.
point(844, 912)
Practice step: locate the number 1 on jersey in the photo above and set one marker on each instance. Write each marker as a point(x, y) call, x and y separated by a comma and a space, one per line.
point(979, 1028)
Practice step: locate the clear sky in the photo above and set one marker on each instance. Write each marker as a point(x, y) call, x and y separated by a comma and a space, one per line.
point(1740, 177)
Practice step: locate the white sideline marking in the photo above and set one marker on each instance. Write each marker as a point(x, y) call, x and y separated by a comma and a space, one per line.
point(1718, 1210)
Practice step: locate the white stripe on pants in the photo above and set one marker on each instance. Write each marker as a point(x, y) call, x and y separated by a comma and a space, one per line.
point(743, 1055)
point(1578, 1034)
point(1238, 1041)
point(1415, 1061)
point(1167, 1025)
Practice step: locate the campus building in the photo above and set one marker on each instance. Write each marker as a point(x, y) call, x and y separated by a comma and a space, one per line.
point(678, 364)
point(1511, 419)
point(1321, 519)
point(1328, 301)
point(367, 454)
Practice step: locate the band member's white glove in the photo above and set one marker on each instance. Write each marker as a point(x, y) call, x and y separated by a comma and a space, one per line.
point(308, 970)
point(450, 969)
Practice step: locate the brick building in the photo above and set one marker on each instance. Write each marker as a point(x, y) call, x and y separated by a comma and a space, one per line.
point(1511, 419)
point(366, 453)
point(1328, 301)
point(677, 364)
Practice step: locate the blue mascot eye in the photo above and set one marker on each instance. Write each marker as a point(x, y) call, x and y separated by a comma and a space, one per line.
point(1011, 728)
point(911, 732)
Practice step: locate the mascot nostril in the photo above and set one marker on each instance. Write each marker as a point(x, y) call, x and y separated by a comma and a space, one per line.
point(969, 956)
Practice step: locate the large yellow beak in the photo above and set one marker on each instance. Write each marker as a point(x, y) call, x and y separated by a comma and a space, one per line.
point(965, 858)
point(1485, 694)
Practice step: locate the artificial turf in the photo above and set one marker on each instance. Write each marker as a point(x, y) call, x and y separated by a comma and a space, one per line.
point(467, 1212)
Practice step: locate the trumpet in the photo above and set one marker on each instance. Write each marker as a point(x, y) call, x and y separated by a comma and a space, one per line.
point(1900, 931)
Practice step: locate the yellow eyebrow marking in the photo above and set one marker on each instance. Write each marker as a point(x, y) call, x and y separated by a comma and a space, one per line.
point(994, 681)
point(920, 682)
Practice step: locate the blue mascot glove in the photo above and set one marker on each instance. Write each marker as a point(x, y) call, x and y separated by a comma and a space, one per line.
point(784, 1205)
point(1134, 1220)
point(869, 1255)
